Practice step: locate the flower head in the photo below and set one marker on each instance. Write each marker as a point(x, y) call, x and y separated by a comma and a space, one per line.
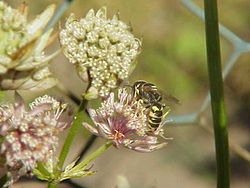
point(103, 50)
point(124, 122)
point(30, 135)
point(23, 64)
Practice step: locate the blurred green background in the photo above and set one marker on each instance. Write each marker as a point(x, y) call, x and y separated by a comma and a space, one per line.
point(173, 57)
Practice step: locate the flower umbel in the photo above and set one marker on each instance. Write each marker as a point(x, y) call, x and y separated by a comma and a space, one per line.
point(103, 50)
point(30, 135)
point(124, 122)
point(23, 64)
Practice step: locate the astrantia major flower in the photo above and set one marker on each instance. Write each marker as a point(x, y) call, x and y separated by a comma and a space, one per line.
point(30, 135)
point(23, 63)
point(124, 122)
point(103, 50)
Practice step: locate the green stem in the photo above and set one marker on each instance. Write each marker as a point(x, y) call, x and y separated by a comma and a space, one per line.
point(52, 185)
point(92, 156)
point(42, 169)
point(91, 140)
point(217, 94)
point(71, 134)
point(69, 139)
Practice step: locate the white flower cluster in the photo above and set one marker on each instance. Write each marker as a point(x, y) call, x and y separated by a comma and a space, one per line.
point(30, 135)
point(12, 24)
point(23, 63)
point(103, 50)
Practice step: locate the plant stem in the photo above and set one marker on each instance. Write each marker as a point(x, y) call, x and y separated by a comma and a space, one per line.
point(71, 134)
point(92, 156)
point(69, 139)
point(42, 169)
point(52, 185)
point(91, 140)
point(217, 94)
point(86, 147)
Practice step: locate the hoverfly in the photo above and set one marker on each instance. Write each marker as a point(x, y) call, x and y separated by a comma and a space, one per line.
point(156, 115)
point(147, 93)
point(150, 96)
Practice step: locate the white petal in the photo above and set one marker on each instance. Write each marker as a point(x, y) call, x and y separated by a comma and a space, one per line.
point(40, 108)
point(103, 134)
point(36, 26)
point(39, 85)
point(19, 100)
point(105, 128)
point(111, 99)
point(102, 13)
point(90, 14)
point(148, 148)
point(42, 42)
point(90, 128)
point(92, 113)
point(20, 108)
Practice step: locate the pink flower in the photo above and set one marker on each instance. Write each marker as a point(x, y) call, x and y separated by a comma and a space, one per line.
point(30, 135)
point(124, 122)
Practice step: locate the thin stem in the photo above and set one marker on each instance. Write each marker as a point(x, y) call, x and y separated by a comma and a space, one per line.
point(217, 94)
point(42, 169)
point(71, 133)
point(92, 138)
point(86, 147)
point(92, 156)
point(52, 185)
point(69, 139)
point(58, 14)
